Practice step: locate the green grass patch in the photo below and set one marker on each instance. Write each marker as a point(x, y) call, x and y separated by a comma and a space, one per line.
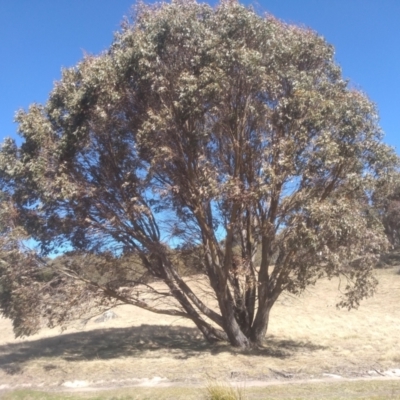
point(366, 390)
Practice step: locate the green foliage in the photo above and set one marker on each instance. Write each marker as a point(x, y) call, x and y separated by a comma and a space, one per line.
point(226, 133)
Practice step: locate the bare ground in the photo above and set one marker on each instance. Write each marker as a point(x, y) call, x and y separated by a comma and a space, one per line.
point(308, 339)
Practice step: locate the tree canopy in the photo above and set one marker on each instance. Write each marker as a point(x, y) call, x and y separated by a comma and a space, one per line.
point(209, 129)
point(386, 203)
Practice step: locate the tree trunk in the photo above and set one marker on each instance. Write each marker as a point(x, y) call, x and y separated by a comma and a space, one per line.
point(235, 335)
point(260, 325)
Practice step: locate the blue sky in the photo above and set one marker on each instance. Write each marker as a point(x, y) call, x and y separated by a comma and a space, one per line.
point(39, 37)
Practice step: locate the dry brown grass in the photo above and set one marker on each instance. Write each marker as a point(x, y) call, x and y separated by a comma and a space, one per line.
point(307, 337)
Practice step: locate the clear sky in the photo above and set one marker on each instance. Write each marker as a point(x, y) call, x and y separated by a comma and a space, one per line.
point(39, 37)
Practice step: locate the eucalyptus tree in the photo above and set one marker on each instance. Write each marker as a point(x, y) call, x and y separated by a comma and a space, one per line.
point(386, 202)
point(212, 128)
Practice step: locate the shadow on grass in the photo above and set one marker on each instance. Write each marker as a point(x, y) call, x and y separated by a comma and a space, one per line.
point(104, 344)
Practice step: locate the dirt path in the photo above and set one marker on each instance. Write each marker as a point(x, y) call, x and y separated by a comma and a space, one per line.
point(158, 382)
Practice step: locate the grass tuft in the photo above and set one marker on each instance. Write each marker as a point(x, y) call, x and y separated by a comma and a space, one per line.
point(222, 391)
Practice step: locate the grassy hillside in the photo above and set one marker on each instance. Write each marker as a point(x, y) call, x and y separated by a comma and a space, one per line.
point(307, 338)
